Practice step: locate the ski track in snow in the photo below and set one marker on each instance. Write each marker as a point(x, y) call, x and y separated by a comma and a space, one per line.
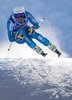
point(54, 74)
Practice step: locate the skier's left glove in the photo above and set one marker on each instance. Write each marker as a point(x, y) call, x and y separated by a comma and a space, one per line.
point(31, 30)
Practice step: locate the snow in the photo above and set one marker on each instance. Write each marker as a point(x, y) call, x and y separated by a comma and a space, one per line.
point(46, 76)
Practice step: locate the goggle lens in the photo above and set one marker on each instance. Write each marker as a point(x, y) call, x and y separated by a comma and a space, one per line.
point(19, 15)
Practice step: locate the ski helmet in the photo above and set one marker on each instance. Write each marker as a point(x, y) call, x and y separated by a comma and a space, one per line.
point(18, 9)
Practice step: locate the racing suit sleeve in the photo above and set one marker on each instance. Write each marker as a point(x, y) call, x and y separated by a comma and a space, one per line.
point(32, 19)
point(10, 31)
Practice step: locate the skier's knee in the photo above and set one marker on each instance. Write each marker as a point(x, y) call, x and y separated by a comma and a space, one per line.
point(43, 40)
point(32, 45)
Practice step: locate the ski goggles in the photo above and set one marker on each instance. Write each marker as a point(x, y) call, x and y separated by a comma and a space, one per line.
point(19, 15)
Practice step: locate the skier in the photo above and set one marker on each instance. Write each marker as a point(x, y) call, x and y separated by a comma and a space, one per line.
point(20, 32)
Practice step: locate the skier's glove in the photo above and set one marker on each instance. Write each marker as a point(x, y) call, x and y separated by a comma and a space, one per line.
point(34, 27)
point(31, 30)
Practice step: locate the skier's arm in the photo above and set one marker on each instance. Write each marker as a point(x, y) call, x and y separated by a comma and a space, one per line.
point(32, 19)
point(10, 32)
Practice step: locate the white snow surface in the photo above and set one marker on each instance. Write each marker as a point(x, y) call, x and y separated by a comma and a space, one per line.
point(55, 73)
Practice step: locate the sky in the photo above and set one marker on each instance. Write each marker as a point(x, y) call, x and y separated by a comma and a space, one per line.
point(57, 26)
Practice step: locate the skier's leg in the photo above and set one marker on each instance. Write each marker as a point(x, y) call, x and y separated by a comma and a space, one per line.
point(40, 38)
point(54, 49)
point(46, 42)
point(21, 37)
point(35, 47)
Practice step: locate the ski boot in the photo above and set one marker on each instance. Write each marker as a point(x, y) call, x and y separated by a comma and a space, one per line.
point(58, 52)
point(54, 49)
point(39, 51)
point(43, 54)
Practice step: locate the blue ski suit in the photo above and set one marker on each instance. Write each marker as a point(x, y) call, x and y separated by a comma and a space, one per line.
point(22, 28)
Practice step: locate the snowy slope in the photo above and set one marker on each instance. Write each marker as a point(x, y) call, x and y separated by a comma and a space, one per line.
point(37, 78)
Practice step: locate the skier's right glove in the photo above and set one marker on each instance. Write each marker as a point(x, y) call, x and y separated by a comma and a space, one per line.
point(34, 27)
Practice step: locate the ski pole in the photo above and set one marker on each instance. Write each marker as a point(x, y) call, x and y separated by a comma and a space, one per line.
point(10, 46)
point(42, 19)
